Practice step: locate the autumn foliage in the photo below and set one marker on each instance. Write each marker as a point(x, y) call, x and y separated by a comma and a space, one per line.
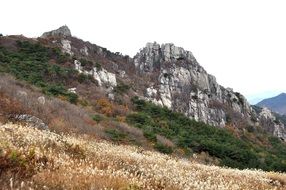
point(106, 107)
point(9, 107)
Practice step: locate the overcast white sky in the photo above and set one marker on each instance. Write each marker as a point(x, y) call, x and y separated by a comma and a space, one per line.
point(241, 42)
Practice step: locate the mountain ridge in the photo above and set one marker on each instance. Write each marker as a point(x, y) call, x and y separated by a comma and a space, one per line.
point(166, 75)
point(162, 99)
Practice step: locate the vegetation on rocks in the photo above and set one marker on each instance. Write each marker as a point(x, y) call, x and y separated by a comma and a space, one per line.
point(32, 63)
point(198, 137)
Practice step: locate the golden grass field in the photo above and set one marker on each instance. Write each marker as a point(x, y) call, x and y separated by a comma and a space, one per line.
point(34, 159)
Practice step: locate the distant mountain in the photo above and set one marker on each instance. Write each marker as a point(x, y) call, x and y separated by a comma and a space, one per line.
point(276, 104)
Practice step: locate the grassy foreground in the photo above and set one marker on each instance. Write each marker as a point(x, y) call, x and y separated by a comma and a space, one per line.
point(35, 159)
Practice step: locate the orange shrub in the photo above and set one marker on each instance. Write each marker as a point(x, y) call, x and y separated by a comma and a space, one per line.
point(120, 118)
point(60, 125)
point(9, 107)
point(106, 107)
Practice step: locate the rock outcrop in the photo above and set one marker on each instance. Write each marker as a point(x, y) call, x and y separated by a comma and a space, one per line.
point(272, 125)
point(102, 76)
point(66, 47)
point(63, 31)
point(183, 85)
point(32, 121)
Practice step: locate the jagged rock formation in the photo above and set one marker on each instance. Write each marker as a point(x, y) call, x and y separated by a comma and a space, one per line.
point(271, 123)
point(183, 85)
point(62, 31)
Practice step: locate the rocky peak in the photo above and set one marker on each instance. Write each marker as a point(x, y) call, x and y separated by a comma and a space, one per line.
point(182, 85)
point(154, 54)
point(171, 52)
point(62, 31)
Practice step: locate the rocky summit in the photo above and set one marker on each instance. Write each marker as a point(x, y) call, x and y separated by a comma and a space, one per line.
point(181, 84)
point(62, 31)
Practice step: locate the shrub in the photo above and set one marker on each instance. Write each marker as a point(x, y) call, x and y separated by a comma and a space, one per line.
point(98, 66)
point(55, 90)
point(97, 118)
point(30, 63)
point(115, 135)
point(9, 107)
point(120, 119)
point(86, 64)
point(119, 110)
point(72, 97)
point(121, 88)
point(200, 137)
point(59, 90)
point(139, 118)
point(104, 106)
point(82, 78)
point(150, 135)
point(163, 148)
point(165, 141)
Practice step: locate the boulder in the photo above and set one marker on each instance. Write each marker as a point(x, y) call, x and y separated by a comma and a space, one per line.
point(32, 121)
point(42, 100)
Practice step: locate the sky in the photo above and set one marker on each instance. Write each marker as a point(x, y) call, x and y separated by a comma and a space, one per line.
point(241, 42)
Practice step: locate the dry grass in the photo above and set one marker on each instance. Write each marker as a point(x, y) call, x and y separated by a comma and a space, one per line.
point(9, 107)
point(59, 115)
point(84, 163)
point(277, 178)
point(163, 140)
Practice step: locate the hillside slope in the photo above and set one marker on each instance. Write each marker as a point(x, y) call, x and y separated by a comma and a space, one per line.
point(165, 74)
point(161, 99)
point(276, 104)
point(45, 160)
